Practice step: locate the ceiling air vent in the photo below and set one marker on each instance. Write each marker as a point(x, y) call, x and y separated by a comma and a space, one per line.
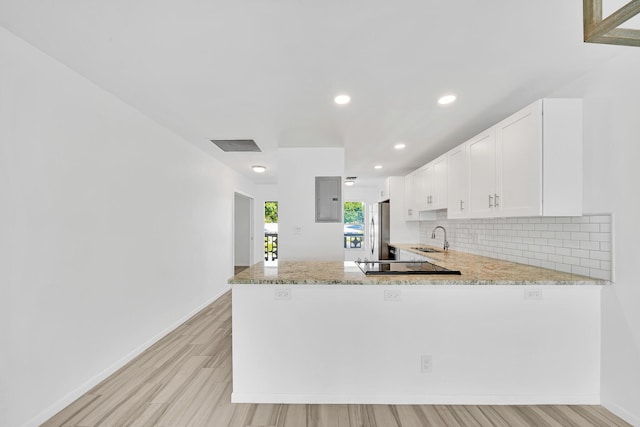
point(236, 145)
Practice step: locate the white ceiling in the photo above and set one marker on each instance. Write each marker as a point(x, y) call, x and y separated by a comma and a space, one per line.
point(269, 69)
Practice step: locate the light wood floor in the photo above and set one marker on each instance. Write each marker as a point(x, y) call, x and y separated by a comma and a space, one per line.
point(185, 380)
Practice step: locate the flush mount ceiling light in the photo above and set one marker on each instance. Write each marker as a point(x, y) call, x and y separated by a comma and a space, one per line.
point(446, 99)
point(607, 30)
point(377, 167)
point(258, 168)
point(342, 99)
point(399, 146)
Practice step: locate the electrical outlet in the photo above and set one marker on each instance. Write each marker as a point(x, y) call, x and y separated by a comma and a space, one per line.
point(392, 295)
point(282, 294)
point(426, 363)
point(532, 293)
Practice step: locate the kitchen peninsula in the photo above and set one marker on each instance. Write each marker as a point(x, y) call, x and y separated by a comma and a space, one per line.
point(500, 333)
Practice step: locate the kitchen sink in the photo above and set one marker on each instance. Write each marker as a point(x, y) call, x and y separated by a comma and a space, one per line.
point(427, 250)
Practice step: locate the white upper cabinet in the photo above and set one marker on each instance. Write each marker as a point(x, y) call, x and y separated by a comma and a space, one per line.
point(383, 191)
point(457, 203)
point(519, 163)
point(482, 174)
point(439, 184)
point(430, 186)
point(529, 164)
point(420, 181)
point(410, 212)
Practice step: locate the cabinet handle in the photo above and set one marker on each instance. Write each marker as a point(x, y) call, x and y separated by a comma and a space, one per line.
point(490, 201)
point(496, 201)
point(461, 205)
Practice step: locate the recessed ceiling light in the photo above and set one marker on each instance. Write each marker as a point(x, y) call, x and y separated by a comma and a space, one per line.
point(399, 146)
point(446, 99)
point(377, 167)
point(342, 99)
point(258, 168)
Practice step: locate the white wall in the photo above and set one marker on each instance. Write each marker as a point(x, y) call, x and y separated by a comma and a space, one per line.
point(112, 229)
point(297, 169)
point(242, 227)
point(611, 175)
point(348, 345)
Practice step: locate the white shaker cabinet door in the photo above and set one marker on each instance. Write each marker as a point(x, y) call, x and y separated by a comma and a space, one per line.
point(519, 163)
point(482, 174)
point(457, 182)
point(439, 184)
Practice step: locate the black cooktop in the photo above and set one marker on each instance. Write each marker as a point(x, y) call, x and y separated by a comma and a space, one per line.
point(402, 267)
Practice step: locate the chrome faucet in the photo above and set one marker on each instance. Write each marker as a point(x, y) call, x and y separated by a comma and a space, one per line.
point(433, 236)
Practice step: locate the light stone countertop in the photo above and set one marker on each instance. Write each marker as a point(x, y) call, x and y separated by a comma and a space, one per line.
point(476, 270)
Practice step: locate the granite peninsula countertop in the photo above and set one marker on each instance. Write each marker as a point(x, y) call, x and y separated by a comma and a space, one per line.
point(476, 270)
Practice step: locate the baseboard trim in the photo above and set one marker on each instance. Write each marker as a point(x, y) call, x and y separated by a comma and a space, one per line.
point(438, 399)
point(631, 418)
point(110, 370)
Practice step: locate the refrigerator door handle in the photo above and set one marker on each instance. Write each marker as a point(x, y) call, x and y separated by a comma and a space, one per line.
point(372, 237)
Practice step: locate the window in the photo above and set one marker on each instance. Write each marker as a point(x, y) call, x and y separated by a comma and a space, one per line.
point(354, 225)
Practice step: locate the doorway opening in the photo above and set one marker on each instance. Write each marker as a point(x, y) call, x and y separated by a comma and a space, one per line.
point(242, 232)
point(270, 231)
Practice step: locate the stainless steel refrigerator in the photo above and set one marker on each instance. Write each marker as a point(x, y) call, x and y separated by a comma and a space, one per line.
point(379, 231)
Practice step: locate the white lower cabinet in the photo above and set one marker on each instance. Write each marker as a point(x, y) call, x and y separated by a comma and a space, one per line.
point(409, 256)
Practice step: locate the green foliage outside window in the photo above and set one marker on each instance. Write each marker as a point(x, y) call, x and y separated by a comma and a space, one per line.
point(353, 213)
point(271, 212)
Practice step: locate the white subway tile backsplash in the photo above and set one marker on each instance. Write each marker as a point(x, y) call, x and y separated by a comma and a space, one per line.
point(555, 242)
point(571, 243)
point(571, 260)
point(589, 245)
point(571, 227)
point(601, 219)
point(591, 263)
point(599, 255)
point(590, 227)
point(581, 245)
point(580, 236)
point(580, 253)
point(555, 258)
point(600, 237)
